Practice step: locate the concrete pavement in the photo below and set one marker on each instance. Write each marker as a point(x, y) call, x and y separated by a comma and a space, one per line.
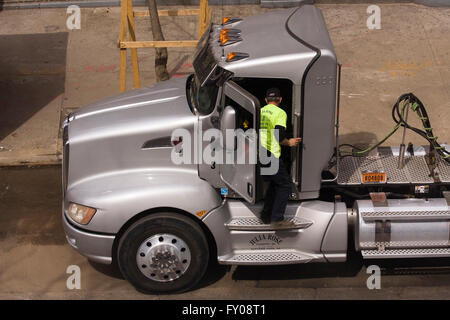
point(34, 257)
point(48, 70)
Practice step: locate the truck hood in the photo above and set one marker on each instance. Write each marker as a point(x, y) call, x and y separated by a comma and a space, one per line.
point(161, 93)
point(162, 105)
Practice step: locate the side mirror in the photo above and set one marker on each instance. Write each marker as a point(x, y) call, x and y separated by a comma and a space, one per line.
point(228, 122)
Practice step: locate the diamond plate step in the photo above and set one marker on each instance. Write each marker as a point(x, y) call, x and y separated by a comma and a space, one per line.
point(415, 170)
point(405, 215)
point(444, 171)
point(406, 253)
point(393, 173)
point(349, 172)
point(266, 258)
point(256, 224)
point(371, 245)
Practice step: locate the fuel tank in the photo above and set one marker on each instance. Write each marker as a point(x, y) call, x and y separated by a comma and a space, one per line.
point(402, 228)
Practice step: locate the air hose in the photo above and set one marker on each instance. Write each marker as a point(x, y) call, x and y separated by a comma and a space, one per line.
point(409, 100)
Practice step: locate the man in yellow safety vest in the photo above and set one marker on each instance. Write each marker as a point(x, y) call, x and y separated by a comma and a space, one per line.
point(273, 120)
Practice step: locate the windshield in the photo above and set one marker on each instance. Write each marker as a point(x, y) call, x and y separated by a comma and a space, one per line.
point(209, 76)
point(203, 98)
point(204, 63)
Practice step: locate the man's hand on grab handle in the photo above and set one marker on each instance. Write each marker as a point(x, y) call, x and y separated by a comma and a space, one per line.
point(293, 142)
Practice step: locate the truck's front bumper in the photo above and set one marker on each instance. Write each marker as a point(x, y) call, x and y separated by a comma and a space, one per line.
point(96, 247)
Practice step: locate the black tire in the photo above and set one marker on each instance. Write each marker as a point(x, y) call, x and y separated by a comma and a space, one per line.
point(172, 223)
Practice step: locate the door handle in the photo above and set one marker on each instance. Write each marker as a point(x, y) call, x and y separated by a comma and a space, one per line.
point(250, 189)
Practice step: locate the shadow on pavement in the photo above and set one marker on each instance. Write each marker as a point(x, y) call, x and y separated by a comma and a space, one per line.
point(110, 270)
point(354, 265)
point(30, 205)
point(301, 271)
point(214, 273)
point(413, 266)
point(351, 268)
point(358, 139)
point(32, 68)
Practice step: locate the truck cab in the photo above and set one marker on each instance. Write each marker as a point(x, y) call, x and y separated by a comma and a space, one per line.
point(153, 182)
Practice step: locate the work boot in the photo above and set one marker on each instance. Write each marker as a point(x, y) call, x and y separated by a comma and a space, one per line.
point(283, 224)
point(265, 218)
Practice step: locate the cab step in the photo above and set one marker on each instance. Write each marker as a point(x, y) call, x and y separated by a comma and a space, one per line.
point(256, 224)
point(273, 257)
point(406, 253)
point(416, 214)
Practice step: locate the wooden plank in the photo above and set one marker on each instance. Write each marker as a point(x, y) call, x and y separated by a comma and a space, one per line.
point(208, 19)
point(132, 37)
point(123, 52)
point(168, 13)
point(158, 44)
point(127, 25)
point(123, 20)
point(204, 17)
point(123, 70)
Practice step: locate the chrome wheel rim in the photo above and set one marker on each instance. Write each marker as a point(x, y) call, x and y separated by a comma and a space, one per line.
point(163, 257)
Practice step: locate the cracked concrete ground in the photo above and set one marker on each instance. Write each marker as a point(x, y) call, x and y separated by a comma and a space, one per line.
point(49, 70)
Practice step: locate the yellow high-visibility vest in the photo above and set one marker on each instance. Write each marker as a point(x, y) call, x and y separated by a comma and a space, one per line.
point(271, 116)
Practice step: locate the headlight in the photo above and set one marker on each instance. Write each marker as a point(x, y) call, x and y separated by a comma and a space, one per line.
point(81, 214)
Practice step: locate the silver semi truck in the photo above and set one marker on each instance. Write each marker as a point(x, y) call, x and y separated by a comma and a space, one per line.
point(127, 201)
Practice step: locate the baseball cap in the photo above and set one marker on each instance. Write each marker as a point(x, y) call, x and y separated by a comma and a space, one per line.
point(273, 93)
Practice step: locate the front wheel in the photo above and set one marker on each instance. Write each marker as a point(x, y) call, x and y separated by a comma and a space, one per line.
point(163, 253)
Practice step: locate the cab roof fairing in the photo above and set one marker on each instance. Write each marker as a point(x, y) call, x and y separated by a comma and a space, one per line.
point(273, 51)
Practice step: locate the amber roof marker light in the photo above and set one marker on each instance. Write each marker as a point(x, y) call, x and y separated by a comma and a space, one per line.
point(225, 20)
point(229, 36)
point(223, 37)
point(231, 56)
point(229, 20)
point(231, 32)
point(235, 56)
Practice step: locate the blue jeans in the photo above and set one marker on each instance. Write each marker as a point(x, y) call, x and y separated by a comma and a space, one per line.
point(277, 194)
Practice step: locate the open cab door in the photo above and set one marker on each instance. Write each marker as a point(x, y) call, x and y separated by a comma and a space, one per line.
point(240, 115)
